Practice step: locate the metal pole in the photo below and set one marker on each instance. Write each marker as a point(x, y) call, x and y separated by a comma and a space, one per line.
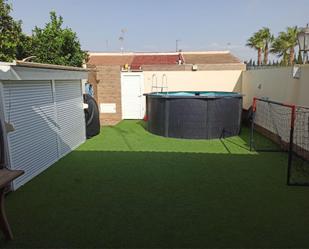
point(293, 117)
point(290, 156)
point(252, 123)
point(252, 132)
point(177, 43)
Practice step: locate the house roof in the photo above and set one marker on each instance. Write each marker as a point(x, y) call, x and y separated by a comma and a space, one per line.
point(224, 57)
point(137, 60)
point(110, 59)
point(160, 59)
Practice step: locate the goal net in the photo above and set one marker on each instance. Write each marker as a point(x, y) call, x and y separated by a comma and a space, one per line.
point(279, 127)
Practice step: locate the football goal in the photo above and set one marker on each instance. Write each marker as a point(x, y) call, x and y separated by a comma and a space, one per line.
point(280, 127)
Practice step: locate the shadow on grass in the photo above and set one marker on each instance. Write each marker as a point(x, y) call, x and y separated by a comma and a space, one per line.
point(244, 136)
point(157, 199)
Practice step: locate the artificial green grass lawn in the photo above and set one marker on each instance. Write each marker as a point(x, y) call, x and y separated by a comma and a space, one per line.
point(129, 188)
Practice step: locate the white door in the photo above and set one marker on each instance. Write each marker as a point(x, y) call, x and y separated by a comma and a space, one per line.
point(133, 101)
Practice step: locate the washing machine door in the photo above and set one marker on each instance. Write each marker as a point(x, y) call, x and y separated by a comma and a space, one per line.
point(2, 150)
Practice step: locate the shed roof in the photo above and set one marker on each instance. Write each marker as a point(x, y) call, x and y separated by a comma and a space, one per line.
point(49, 66)
point(19, 70)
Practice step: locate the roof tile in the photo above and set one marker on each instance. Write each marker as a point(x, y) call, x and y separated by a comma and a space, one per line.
point(215, 58)
point(140, 60)
point(110, 60)
point(136, 61)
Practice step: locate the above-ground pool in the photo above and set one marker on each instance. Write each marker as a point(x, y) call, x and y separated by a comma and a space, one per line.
point(197, 115)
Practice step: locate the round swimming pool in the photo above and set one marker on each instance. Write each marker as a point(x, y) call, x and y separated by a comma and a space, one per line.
point(197, 115)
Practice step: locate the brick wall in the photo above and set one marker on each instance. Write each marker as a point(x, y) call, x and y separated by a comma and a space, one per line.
point(108, 90)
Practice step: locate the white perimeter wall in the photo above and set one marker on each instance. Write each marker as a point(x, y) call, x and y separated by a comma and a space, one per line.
point(277, 84)
point(273, 83)
point(225, 80)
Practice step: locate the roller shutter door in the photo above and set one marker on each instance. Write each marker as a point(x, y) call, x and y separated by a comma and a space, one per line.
point(70, 115)
point(33, 146)
point(48, 120)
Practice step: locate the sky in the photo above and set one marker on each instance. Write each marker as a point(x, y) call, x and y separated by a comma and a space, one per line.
point(155, 25)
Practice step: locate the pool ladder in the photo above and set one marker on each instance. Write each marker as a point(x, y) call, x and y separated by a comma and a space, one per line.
point(155, 87)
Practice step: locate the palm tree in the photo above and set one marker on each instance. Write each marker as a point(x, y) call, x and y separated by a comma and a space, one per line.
point(280, 48)
point(291, 36)
point(268, 38)
point(256, 42)
point(284, 45)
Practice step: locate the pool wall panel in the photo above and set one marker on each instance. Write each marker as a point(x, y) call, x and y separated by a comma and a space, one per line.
point(185, 114)
point(156, 112)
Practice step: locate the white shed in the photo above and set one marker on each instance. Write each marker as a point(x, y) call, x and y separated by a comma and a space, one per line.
point(41, 113)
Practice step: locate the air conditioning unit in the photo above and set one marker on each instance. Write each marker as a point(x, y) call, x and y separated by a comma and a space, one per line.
point(194, 67)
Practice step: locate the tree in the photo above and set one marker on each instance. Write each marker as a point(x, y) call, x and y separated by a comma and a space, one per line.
point(291, 38)
point(256, 42)
point(10, 33)
point(284, 45)
point(267, 38)
point(56, 45)
point(25, 47)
